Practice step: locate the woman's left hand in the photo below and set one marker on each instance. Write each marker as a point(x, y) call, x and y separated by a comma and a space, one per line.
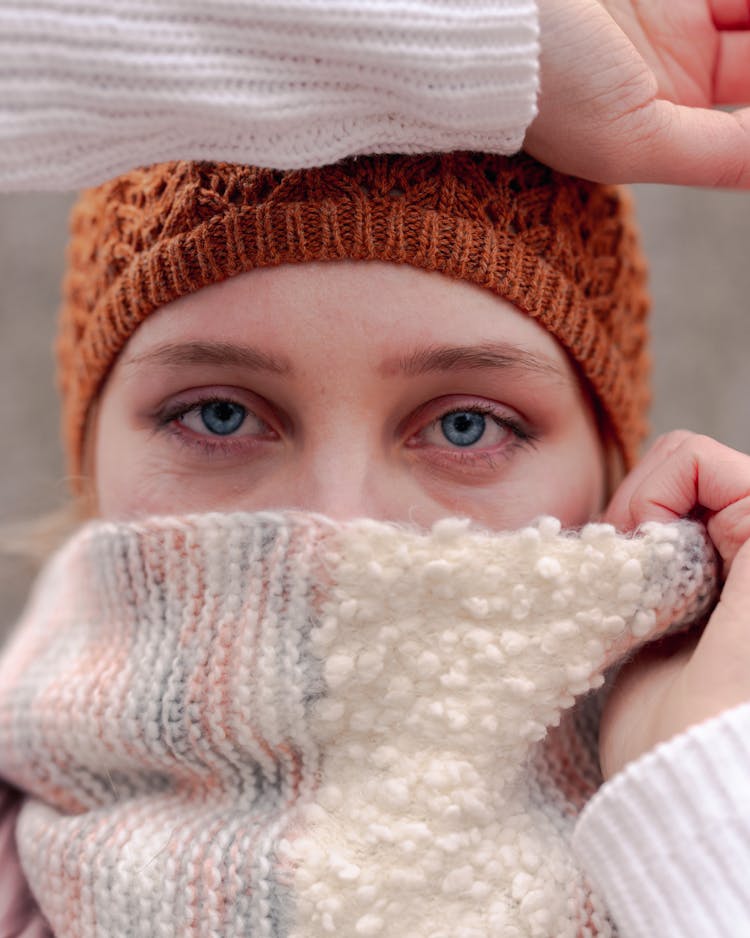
point(629, 91)
point(686, 679)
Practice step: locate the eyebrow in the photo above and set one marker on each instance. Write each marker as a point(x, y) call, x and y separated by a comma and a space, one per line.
point(430, 360)
point(486, 355)
point(212, 353)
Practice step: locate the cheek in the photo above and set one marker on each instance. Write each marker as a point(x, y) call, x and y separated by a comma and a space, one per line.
point(128, 481)
point(134, 482)
point(573, 486)
point(132, 476)
point(572, 494)
point(126, 489)
point(142, 485)
point(567, 482)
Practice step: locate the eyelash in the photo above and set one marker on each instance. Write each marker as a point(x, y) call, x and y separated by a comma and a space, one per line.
point(522, 436)
point(210, 445)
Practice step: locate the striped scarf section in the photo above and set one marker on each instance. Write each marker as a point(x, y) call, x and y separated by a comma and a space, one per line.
point(276, 725)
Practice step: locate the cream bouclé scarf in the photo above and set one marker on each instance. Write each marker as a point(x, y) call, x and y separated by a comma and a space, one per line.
point(276, 725)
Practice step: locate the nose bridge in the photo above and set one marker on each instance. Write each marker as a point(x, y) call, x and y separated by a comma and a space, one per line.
point(342, 474)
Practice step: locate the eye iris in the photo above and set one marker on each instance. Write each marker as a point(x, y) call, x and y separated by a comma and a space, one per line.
point(222, 417)
point(463, 427)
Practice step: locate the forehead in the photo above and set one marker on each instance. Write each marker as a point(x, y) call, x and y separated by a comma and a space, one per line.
point(351, 309)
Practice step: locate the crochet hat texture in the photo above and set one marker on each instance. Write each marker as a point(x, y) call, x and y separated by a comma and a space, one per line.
point(562, 250)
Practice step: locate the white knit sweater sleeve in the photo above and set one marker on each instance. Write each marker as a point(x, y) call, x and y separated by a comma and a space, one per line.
point(91, 88)
point(667, 841)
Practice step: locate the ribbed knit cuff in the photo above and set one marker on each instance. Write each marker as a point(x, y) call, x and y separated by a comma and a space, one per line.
point(89, 90)
point(667, 841)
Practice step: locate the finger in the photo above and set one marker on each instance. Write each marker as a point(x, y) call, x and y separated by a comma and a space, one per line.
point(619, 510)
point(729, 531)
point(720, 665)
point(698, 474)
point(730, 14)
point(732, 72)
point(670, 143)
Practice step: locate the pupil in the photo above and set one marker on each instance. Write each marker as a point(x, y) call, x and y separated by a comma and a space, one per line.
point(463, 427)
point(222, 417)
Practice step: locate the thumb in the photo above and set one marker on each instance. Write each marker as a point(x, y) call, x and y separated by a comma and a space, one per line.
point(719, 672)
point(665, 142)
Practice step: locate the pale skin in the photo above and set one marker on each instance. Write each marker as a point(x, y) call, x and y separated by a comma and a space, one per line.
point(630, 89)
point(359, 391)
point(339, 425)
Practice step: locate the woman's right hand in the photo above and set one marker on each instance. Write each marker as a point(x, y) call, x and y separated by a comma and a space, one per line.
point(628, 90)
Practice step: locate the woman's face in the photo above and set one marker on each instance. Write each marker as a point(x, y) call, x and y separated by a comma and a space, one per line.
point(351, 389)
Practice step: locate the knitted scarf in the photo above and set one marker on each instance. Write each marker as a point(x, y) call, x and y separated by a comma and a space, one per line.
point(276, 725)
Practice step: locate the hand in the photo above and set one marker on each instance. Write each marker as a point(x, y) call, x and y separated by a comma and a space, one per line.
point(672, 685)
point(627, 90)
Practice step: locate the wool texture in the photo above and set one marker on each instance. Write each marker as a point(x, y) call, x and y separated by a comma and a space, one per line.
point(278, 725)
point(562, 250)
point(90, 90)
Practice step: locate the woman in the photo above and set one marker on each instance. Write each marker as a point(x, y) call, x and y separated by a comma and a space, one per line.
point(203, 748)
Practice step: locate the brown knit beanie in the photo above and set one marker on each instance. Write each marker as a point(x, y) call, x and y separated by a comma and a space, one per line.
point(564, 251)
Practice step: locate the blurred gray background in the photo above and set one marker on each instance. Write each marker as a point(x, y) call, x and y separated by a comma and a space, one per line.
point(697, 242)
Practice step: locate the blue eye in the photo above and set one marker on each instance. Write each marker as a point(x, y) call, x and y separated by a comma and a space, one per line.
point(463, 427)
point(222, 417)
